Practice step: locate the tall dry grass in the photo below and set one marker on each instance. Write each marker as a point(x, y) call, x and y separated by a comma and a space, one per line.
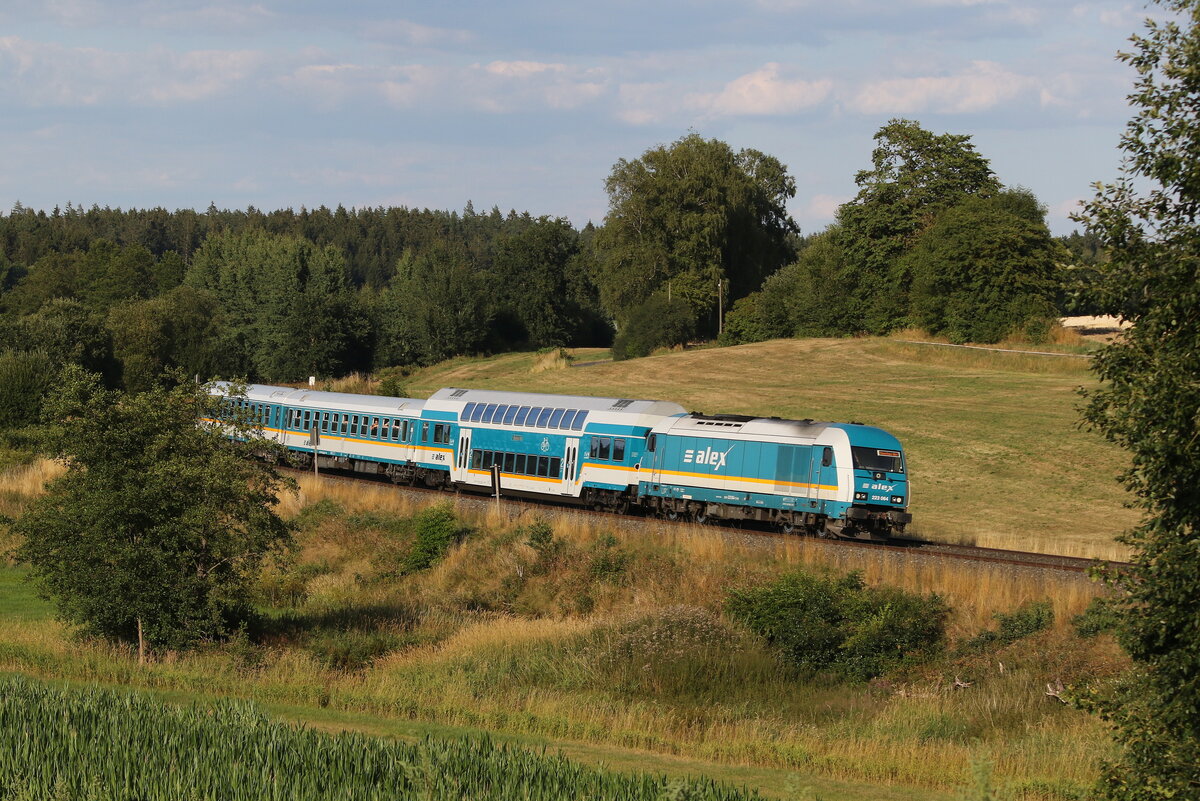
point(356, 383)
point(554, 359)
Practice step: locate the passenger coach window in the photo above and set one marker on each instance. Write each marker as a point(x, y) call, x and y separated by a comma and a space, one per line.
point(534, 411)
point(601, 448)
point(544, 417)
point(307, 420)
point(509, 414)
point(488, 412)
point(522, 413)
point(556, 417)
point(618, 450)
point(325, 422)
point(466, 412)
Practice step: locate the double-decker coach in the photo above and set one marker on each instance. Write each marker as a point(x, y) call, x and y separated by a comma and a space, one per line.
point(570, 447)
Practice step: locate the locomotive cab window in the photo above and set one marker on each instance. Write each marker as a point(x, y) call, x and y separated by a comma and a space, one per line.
point(878, 460)
point(827, 456)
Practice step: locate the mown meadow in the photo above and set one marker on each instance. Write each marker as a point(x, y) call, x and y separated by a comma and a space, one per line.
point(618, 645)
point(996, 452)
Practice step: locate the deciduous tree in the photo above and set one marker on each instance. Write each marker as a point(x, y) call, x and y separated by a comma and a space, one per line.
point(158, 528)
point(692, 214)
point(1149, 403)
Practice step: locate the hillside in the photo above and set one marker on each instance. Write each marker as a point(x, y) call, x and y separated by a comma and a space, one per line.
point(995, 450)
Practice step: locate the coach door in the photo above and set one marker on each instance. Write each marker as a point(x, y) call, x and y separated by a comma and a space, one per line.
point(462, 456)
point(570, 466)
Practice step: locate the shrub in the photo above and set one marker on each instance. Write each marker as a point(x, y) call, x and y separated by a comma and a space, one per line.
point(1098, 618)
point(656, 323)
point(392, 386)
point(24, 380)
point(353, 650)
point(840, 624)
point(436, 530)
point(1027, 619)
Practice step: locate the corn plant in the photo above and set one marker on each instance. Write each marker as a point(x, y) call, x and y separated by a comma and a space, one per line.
point(98, 743)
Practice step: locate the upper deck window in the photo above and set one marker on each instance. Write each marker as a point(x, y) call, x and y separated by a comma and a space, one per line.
point(878, 459)
point(522, 413)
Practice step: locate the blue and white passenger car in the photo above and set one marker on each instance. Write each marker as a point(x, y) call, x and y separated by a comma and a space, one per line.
point(569, 447)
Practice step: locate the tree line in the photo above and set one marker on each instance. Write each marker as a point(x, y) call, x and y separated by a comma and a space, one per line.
point(697, 238)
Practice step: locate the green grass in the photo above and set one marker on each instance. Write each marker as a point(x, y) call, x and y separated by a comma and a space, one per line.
point(18, 598)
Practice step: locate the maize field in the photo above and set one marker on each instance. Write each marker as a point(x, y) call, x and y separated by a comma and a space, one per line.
point(108, 744)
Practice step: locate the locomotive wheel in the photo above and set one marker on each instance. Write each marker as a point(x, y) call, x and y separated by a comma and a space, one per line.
point(787, 527)
point(672, 514)
point(701, 518)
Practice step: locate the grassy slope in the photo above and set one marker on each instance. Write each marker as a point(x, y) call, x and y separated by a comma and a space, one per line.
point(995, 450)
point(19, 606)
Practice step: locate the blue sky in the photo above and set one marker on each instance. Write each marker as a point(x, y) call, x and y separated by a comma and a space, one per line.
point(527, 104)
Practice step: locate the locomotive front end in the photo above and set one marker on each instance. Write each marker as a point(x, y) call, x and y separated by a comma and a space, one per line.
point(876, 486)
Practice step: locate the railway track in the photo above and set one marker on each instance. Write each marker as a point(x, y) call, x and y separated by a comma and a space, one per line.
point(748, 535)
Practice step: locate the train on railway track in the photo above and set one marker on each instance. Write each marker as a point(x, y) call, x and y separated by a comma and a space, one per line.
point(844, 480)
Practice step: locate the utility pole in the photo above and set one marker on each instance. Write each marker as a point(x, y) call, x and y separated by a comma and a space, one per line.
point(720, 306)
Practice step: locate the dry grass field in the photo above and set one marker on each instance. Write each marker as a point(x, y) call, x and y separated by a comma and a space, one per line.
point(996, 453)
point(497, 636)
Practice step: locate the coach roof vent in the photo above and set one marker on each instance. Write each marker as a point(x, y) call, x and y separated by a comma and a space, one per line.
point(621, 404)
point(458, 393)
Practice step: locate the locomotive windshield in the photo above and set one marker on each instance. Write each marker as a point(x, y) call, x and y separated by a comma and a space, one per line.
point(875, 459)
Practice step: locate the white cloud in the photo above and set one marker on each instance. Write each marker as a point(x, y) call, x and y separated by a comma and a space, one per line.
point(225, 17)
point(823, 207)
point(54, 75)
point(763, 92)
point(522, 69)
point(984, 85)
point(400, 31)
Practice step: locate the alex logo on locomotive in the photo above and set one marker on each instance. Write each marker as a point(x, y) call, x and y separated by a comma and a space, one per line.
point(708, 456)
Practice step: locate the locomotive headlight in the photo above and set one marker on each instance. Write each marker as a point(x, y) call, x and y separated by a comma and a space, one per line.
point(860, 496)
point(897, 499)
